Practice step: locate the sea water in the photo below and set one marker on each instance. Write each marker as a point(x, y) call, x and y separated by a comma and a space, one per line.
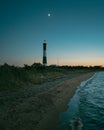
point(86, 108)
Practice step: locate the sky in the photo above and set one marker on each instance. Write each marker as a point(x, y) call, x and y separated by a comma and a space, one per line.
point(74, 32)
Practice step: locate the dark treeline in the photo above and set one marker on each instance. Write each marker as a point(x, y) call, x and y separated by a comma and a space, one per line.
point(40, 67)
point(15, 76)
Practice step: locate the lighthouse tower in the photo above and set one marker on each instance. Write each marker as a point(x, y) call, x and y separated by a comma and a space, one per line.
point(44, 53)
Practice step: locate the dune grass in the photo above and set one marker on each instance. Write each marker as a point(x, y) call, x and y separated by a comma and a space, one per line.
point(12, 77)
point(20, 107)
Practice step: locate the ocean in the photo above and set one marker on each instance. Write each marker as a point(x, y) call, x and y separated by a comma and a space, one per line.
point(86, 108)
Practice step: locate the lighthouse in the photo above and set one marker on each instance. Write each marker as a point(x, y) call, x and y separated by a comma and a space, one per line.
point(44, 53)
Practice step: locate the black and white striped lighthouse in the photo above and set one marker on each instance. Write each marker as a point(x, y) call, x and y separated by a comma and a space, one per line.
point(44, 53)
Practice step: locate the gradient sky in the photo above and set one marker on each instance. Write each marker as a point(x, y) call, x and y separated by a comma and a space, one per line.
point(74, 32)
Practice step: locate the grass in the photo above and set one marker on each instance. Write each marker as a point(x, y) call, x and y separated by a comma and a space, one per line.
point(19, 107)
point(12, 77)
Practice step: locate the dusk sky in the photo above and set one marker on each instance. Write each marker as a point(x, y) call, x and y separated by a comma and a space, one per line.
point(74, 31)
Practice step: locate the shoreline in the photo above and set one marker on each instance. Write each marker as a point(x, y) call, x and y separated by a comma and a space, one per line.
point(38, 107)
point(60, 96)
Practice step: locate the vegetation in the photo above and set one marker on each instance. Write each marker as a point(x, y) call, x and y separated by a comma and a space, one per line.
point(12, 77)
point(21, 107)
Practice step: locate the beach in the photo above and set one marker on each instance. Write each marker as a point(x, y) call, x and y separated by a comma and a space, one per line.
point(59, 96)
point(38, 107)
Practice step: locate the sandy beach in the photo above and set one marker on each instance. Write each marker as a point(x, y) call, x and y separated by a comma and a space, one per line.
point(38, 107)
point(57, 100)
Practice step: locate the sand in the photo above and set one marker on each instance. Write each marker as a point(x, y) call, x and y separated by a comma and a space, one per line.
point(38, 107)
point(57, 99)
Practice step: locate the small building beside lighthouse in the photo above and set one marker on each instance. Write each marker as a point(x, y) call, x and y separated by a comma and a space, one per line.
point(44, 53)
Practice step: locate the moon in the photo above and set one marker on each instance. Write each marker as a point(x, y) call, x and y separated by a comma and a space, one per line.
point(49, 14)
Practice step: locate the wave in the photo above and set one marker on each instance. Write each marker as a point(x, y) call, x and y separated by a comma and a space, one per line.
point(86, 108)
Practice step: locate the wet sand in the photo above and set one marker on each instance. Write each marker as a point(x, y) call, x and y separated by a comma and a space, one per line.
point(57, 99)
